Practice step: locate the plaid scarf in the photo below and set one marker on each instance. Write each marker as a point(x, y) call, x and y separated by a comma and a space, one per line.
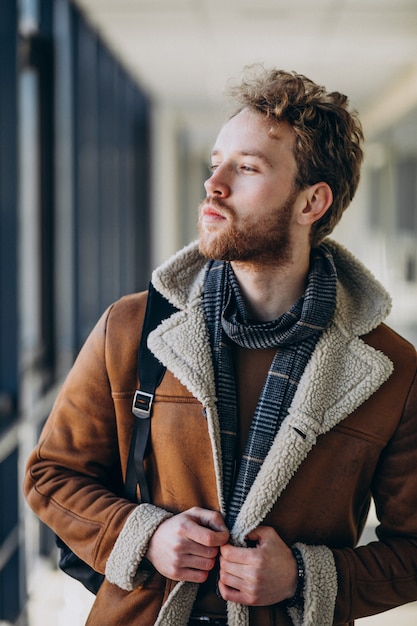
point(294, 334)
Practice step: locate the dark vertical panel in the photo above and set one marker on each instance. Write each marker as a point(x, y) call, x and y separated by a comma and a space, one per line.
point(8, 212)
point(64, 188)
point(112, 179)
point(141, 178)
point(47, 190)
point(11, 575)
point(40, 58)
point(109, 177)
point(11, 597)
point(87, 210)
point(127, 200)
point(124, 181)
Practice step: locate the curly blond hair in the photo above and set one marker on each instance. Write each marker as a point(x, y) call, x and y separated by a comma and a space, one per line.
point(328, 135)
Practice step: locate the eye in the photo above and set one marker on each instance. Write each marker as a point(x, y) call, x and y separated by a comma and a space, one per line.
point(213, 166)
point(248, 168)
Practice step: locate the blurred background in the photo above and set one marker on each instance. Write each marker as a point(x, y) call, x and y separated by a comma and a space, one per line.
point(108, 110)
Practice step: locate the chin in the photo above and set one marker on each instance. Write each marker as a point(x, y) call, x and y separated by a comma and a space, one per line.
point(209, 246)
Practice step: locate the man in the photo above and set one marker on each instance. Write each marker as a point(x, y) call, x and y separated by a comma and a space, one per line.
point(286, 402)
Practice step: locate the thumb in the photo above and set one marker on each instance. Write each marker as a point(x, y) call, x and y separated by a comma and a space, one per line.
point(209, 519)
point(258, 536)
point(217, 523)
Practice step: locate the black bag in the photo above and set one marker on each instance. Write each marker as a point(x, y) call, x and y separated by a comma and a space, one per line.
point(72, 565)
point(150, 374)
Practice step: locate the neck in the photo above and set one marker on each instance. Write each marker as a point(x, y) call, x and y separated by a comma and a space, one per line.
point(269, 291)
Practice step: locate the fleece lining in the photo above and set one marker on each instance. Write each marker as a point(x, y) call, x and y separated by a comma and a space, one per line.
point(131, 545)
point(320, 587)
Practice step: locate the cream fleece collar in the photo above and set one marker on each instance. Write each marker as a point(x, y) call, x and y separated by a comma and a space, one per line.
point(363, 301)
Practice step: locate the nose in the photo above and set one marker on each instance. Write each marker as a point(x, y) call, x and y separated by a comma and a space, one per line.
point(217, 185)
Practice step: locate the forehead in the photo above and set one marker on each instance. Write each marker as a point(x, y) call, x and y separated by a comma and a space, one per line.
point(248, 132)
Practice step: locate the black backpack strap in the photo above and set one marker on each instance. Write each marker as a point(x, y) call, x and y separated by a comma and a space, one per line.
point(150, 374)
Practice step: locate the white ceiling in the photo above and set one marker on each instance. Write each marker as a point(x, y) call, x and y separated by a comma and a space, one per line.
point(184, 51)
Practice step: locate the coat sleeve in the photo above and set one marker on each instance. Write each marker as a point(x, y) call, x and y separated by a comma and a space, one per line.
point(383, 574)
point(74, 477)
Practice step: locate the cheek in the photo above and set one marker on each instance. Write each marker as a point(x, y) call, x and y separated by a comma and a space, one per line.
point(251, 200)
point(270, 195)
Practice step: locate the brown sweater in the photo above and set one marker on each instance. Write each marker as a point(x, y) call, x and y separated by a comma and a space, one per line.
point(251, 369)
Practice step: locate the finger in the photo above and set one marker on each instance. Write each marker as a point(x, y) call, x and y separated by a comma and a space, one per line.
point(262, 535)
point(190, 575)
point(234, 554)
point(232, 582)
point(209, 519)
point(192, 561)
point(233, 595)
point(188, 561)
point(231, 573)
point(242, 587)
point(237, 570)
point(193, 548)
point(196, 528)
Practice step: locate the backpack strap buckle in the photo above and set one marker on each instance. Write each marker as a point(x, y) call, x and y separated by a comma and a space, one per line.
point(142, 404)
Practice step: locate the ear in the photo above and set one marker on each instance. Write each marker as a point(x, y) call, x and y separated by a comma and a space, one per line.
point(317, 199)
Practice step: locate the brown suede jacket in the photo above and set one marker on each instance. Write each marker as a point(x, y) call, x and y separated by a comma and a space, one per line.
point(351, 433)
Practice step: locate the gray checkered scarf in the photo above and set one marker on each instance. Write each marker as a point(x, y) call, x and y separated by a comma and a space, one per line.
point(294, 334)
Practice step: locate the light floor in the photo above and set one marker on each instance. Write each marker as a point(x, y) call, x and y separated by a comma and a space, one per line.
point(57, 600)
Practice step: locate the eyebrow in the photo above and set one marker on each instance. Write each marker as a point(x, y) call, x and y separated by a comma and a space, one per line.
point(253, 152)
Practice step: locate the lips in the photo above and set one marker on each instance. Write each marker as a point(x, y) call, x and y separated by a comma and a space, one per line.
point(211, 213)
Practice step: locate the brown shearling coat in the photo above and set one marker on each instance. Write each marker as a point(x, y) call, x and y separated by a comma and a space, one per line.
point(351, 433)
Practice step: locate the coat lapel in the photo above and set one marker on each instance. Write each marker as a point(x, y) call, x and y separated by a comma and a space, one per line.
point(182, 344)
point(341, 375)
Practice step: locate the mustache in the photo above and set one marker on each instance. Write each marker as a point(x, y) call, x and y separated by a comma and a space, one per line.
point(216, 203)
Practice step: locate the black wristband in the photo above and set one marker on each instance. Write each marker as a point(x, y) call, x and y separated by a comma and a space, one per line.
point(300, 579)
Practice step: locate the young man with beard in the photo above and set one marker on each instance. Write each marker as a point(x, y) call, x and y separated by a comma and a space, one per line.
point(286, 403)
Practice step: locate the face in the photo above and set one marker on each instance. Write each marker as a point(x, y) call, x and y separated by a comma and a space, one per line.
point(248, 211)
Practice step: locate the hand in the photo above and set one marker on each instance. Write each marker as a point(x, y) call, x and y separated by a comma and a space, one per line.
point(259, 576)
point(186, 546)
